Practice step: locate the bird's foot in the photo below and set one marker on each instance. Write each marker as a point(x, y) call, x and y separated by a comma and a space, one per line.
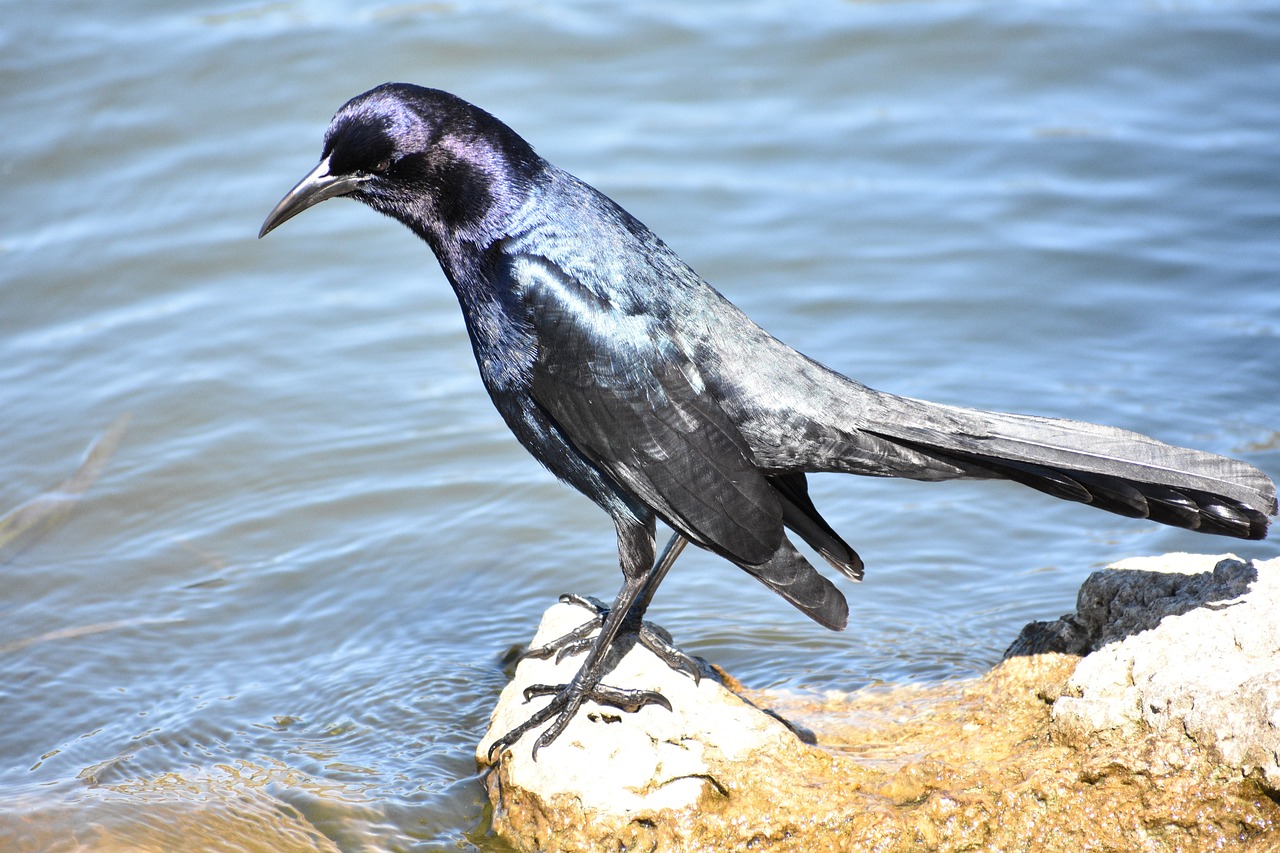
point(586, 602)
point(652, 637)
point(579, 639)
point(657, 640)
point(565, 704)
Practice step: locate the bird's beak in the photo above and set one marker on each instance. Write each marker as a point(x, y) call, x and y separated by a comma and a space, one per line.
point(316, 187)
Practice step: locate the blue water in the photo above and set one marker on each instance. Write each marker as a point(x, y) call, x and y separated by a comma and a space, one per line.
point(275, 621)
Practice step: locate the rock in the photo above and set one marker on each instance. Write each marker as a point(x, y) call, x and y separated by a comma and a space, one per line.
point(1047, 751)
point(1186, 654)
point(1135, 595)
point(621, 770)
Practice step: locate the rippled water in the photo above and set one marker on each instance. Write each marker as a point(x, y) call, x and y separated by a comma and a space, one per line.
point(275, 619)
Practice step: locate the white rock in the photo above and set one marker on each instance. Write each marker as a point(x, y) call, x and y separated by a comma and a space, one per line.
point(1189, 649)
point(615, 762)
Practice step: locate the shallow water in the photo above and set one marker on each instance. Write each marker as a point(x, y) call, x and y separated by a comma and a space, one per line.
point(275, 619)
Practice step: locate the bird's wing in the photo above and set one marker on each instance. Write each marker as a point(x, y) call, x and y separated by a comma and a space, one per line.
point(633, 403)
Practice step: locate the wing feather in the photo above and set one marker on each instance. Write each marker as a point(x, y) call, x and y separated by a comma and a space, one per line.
point(634, 403)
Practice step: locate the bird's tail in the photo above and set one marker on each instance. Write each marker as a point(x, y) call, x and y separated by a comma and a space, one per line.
point(1113, 469)
point(832, 423)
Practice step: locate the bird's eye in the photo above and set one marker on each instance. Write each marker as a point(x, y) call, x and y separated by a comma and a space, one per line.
point(382, 166)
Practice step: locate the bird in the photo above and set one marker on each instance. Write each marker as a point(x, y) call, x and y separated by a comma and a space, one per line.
point(641, 386)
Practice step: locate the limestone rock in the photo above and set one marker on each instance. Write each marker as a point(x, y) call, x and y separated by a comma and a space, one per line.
point(624, 769)
point(1187, 652)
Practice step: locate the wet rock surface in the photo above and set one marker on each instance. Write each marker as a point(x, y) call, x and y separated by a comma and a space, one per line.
point(1048, 751)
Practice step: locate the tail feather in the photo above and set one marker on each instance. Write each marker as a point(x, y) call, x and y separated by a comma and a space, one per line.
point(1187, 508)
point(1072, 447)
point(1174, 508)
point(1113, 469)
point(842, 426)
point(1224, 516)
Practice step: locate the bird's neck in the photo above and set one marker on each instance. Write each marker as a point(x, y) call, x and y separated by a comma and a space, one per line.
point(492, 307)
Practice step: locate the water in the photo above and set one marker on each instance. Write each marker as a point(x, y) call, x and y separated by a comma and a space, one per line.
point(275, 620)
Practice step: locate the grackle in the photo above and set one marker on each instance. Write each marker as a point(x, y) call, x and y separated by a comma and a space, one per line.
point(638, 384)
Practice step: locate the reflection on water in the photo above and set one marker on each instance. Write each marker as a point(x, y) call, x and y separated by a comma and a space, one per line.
point(24, 525)
point(275, 620)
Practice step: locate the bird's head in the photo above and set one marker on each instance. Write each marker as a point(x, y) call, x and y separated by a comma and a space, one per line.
point(427, 158)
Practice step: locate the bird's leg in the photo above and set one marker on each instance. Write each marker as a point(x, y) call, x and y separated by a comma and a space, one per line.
point(651, 636)
point(673, 548)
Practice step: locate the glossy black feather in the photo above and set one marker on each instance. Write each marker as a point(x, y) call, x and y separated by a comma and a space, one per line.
point(789, 574)
point(801, 516)
point(635, 405)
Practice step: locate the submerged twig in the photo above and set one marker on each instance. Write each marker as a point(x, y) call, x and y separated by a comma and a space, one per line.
point(29, 522)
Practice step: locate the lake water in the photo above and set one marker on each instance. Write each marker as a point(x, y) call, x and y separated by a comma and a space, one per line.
point(275, 620)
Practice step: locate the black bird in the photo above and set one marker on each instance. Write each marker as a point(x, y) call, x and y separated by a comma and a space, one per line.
point(637, 383)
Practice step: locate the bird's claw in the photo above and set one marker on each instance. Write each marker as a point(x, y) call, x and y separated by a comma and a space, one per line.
point(622, 698)
point(577, 641)
point(567, 700)
point(586, 602)
point(658, 641)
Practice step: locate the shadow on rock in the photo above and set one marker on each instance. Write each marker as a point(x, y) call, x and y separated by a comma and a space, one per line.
point(1123, 600)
